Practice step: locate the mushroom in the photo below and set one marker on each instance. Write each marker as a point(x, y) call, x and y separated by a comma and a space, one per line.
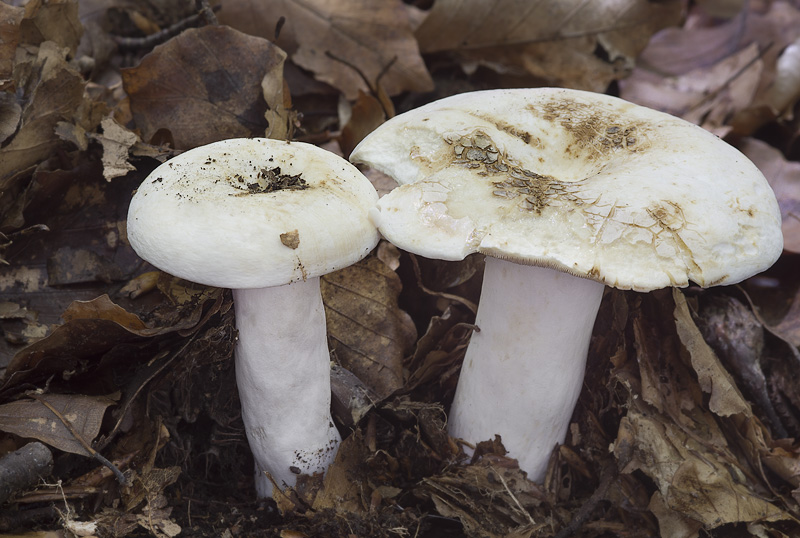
point(266, 218)
point(565, 192)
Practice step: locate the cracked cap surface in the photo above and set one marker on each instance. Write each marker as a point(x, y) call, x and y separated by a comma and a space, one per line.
point(585, 183)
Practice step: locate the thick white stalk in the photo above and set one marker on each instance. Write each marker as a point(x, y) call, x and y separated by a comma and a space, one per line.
point(523, 370)
point(283, 375)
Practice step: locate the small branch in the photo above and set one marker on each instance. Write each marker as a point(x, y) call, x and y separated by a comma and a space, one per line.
point(78, 437)
point(21, 470)
point(150, 41)
point(511, 494)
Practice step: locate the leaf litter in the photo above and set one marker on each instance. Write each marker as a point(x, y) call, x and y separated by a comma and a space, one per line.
point(688, 420)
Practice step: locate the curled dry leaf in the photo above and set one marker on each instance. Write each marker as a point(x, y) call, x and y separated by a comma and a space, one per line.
point(205, 85)
point(714, 379)
point(700, 69)
point(369, 334)
point(31, 418)
point(55, 21)
point(701, 479)
point(556, 41)
point(94, 328)
point(371, 35)
point(784, 178)
point(116, 142)
point(491, 498)
point(10, 19)
point(53, 92)
point(708, 95)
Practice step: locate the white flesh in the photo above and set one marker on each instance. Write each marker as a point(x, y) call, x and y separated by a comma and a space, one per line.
point(523, 370)
point(283, 374)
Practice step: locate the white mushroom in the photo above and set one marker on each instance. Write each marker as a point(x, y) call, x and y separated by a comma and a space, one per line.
point(266, 218)
point(565, 191)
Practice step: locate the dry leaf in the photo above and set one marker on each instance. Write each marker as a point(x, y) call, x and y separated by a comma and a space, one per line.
point(707, 96)
point(116, 141)
point(784, 178)
point(369, 334)
point(491, 497)
point(204, 85)
point(725, 398)
point(670, 436)
point(31, 418)
point(10, 19)
point(53, 92)
point(693, 482)
point(371, 35)
point(366, 115)
point(554, 40)
point(52, 20)
point(704, 68)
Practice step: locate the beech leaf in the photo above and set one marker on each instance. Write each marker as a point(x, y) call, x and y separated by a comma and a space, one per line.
point(553, 40)
point(204, 85)
point(371, 35)
point(31, 418)
point(369, 334)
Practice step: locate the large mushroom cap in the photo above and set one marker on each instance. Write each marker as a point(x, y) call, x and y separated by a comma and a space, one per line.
point(586, 183)
point(253, 213)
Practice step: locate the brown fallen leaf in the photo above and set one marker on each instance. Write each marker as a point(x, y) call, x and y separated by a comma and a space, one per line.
point(707, 67)
point(53, 91)
point(96, 328)
point(707, 96)
point(31, 418)
point(369, 334)
point(205, 85)
point(784, 178)
point(491, 498)
point(668, 433)
point(725, 398)
point(371, 35)
point(52, 21)
point(10, 19)
point(555, 41)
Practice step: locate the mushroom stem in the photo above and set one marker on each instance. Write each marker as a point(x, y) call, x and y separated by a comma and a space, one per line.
point(283, 375)
point(523, 370)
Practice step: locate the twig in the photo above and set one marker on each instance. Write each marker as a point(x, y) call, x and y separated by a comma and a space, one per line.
point(511, 494)
point(121, 478)
point(150, 41)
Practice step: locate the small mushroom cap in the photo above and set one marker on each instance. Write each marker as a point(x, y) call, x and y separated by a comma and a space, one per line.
point(582, 182)
point(253, 213)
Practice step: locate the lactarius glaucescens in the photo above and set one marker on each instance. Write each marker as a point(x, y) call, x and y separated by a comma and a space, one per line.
point(565, 192)
point(266, 218)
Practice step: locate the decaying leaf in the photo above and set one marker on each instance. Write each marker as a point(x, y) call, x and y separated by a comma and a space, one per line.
point(369, 334)
point(31, 418)
point(10, 19)
point(708, 95)
point(205, 85)
point(716, 74)
point(491, 498)
point(555, 41)
point(784, 178)
point(116, 142)
point(373, 36)
point(668, 435)
point(714, 379)
point(53, 92)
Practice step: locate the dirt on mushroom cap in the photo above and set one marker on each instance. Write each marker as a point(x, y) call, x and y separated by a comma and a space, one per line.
point(583, 182)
